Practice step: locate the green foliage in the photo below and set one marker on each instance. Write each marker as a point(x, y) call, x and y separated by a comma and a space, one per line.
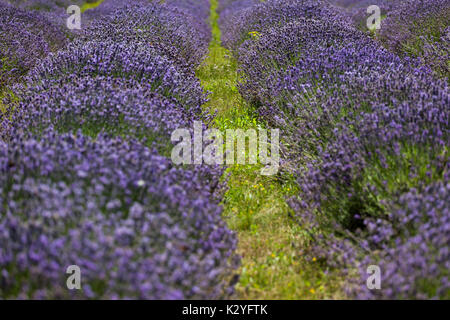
point(90, 5)
point(390, 175)
point(7, 100)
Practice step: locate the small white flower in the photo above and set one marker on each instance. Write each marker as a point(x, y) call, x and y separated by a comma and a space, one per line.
point(141, 183)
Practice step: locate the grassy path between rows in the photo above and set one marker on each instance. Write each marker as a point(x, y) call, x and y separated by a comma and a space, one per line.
point(270, 243)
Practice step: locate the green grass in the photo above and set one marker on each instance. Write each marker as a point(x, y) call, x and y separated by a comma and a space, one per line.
point(90, 5)
point(272, 245)
point(7, 94)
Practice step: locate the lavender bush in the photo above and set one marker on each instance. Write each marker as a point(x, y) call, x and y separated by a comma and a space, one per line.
point(414, 27)
point(357, 9)
point(25, 37)
point(53, 10)
point(113, 105)
point(176, 34)
point(416, 233)
point(197, 8)
point(126, 60)
point(259, 17)
point(45, 5)
point(364, 131)
point(420, 28)
point(84, 179)
point(136, 226)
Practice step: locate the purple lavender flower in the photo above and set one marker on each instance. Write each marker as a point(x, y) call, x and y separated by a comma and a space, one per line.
point(136, 226)
point(25, 37)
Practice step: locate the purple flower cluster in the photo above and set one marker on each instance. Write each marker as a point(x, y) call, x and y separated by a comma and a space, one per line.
point(365, 131)
point(45, 5)
point(53, 10)
point(127, 60)
point(95, 105)
point(85, 179)
point(420, 28)
point(357, 9)
point(136, 226)
point(417, 234)
point(227, 9)
point(172, 32)
point(200, 9)
point(413, 27)
point(25, 37)
point(261, 16)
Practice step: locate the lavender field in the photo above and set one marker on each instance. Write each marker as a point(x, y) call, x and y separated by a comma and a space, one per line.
point(357, 208)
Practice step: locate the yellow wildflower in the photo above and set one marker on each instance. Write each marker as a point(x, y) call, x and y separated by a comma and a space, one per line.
point(254, 34)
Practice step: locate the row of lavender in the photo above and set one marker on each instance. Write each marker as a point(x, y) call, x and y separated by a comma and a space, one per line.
point(412, 27)
point(365, 131)
point(25, 37)
point(30, 30)
point(85, 178)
